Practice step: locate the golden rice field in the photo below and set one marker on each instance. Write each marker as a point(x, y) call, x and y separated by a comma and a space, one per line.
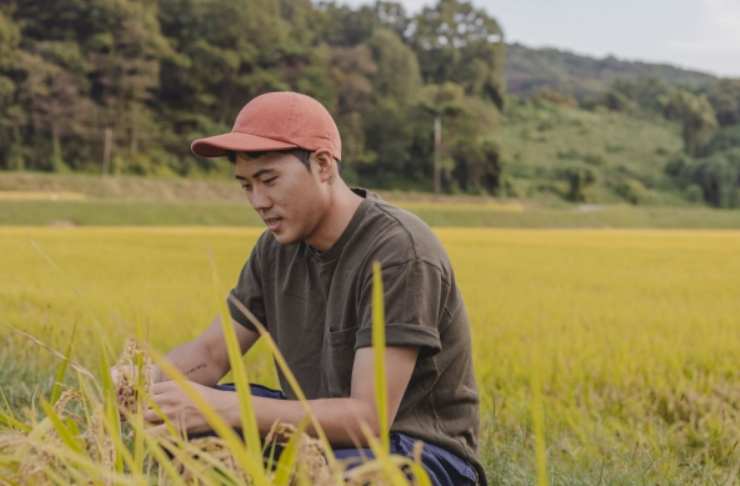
point(633, 335)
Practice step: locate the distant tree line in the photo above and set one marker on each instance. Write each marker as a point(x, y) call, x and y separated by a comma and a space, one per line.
point(133, 82)
point(530, 70)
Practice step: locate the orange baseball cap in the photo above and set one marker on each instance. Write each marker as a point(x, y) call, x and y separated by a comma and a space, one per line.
point(276, 121)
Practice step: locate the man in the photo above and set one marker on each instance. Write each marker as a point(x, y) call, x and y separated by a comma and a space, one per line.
point(309, 281)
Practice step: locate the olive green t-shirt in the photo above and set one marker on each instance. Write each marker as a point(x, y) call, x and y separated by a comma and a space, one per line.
point(317, 308)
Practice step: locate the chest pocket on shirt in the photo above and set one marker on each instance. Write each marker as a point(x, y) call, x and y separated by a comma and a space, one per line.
point(339, 357)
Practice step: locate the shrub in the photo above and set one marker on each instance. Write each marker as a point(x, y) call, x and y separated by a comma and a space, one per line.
point(719, 177)
point(635, 192)
point(676, 165)
point(555, 97)
point(694, 193)
point(725, 139)
point(579, 178)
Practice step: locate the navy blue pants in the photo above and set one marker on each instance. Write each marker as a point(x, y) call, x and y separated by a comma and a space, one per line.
point(444, 468)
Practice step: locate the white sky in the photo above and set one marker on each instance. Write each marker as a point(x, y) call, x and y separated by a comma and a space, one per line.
point(698, 34)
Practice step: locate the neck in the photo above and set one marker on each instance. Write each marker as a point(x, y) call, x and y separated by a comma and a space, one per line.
point(341, 206)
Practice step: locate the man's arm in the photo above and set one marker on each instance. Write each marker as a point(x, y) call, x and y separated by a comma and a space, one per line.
point(340, 418)
point(204, 360)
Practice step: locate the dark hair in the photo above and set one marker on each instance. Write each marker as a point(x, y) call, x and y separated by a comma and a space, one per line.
point(301, 154)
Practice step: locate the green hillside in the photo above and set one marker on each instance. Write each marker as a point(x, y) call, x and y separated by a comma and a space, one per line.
point(529, 70)
point(543, 142)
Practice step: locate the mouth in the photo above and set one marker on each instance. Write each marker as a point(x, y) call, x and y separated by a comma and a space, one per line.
point(273, 223)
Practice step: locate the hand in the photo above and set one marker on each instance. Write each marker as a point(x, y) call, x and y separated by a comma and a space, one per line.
point(124, 379)
point(183, 413)
point(131, 373)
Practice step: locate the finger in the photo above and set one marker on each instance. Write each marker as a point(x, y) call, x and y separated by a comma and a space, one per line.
point(158, 431)
point(159, 388)
point(152, 416)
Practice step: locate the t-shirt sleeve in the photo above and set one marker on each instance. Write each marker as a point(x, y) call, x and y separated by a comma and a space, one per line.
point(414, 302)
point(248, 291)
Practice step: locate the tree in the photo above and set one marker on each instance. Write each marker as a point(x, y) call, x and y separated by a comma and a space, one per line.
point(443, 104)
point(392, 16)
point(579, 179)
point(10, 137)
point(388, 119)
point(455, 42)
point(695, 115)
point(397, 75)
point(725, 99)
point(644, 93)
point(138, 80)
point(725, 139)
point(351, 69)
point(719, 177)
point(554, 97)
point(52, 97)
point(463, 124)
point(480, 167)
point(108, 52)
point(227, 52)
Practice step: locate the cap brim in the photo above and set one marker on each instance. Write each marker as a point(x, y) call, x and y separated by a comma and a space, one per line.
point(218, 145)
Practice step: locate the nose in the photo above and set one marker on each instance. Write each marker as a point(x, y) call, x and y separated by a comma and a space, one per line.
point(259, 198)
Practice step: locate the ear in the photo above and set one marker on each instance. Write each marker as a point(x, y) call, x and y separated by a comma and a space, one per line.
point(324, 163)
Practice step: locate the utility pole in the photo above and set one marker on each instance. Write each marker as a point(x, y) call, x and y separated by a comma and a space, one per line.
point(437, 155)
point(106, 151)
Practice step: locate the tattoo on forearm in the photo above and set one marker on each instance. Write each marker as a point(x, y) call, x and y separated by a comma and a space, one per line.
point(201, 366)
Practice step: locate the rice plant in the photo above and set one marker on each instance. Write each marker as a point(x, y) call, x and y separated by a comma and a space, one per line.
point(636, 334)
point(95, 433)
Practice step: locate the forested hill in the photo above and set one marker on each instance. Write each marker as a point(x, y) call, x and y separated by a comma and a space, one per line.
point(121, 87)
point(124, 86)
point(529, 70)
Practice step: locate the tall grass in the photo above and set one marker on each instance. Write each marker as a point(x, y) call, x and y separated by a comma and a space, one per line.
point(636, 331)
point(77, 435)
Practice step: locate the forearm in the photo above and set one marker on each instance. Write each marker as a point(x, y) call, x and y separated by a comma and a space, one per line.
point(340, 418)
point(195, 361)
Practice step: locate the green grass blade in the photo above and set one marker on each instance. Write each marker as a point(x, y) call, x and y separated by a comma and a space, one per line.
point(250, 429)
point(287, 460)
point(56, 391)
point(138, 428)
point(112, 417)
point(420, 474)
point(5, 400)
point(61, 429)
point(164, 462)
point(193, 463)
point(538, 421)
point(382, 454)
point(37, 433)
point(219, 426)
point(13, 422)
point(378, 334)
point(289, 376)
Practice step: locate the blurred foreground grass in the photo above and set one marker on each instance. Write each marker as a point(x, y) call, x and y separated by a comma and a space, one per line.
point(633, 334)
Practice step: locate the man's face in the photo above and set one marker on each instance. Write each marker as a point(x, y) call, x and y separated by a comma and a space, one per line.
point(285, 194)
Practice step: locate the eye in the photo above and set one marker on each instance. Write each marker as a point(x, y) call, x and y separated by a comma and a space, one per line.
point(247, 188)
point(269, 181)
